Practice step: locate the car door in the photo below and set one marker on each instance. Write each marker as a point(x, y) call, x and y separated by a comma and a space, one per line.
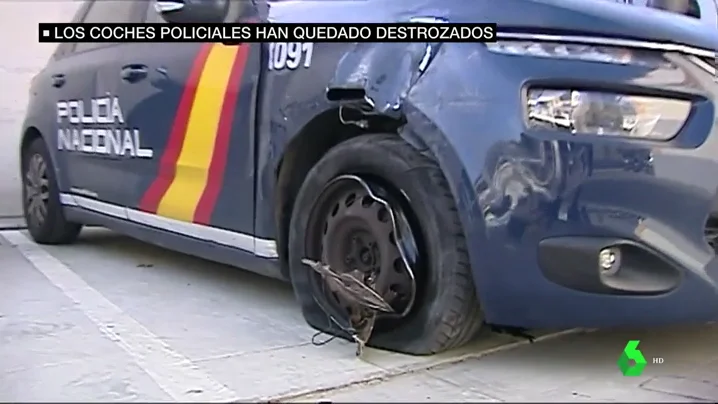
point(194, 107)
point(88, 124)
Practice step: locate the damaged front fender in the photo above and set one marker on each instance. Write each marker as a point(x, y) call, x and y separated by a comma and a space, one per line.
point(377, 77)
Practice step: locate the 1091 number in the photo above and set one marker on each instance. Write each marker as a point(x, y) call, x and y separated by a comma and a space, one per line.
point(290, 55)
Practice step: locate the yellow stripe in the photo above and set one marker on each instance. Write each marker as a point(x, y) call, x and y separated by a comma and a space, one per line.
point(184, 193)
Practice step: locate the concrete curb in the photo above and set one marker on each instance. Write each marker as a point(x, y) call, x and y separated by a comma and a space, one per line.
point(12, 223)
point(440, 360)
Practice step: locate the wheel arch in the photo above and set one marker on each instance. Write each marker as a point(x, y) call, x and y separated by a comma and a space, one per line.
point(369, 81)
point(427, 136)
point(325, 131)
point(371, 72)
point(30, 133)
point(28, 136)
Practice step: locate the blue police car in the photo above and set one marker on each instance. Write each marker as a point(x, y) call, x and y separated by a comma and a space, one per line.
point(565, 175)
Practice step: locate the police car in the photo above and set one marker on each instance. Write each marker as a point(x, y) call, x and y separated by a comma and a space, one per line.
point(563, 176)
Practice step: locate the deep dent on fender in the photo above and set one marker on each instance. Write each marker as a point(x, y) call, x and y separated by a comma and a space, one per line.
point(377, 77)
point(514, 174)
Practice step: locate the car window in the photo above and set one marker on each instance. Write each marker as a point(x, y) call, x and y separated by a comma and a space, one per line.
point(704, 10)
point(67, 47)
point(107, 11)
point(153, 17)
point(690, 8)
point(237, 10)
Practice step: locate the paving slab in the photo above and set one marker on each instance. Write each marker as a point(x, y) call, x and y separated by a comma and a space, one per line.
point(109, 378)
point(199, 330)
point(113, 319)
point(579, 367)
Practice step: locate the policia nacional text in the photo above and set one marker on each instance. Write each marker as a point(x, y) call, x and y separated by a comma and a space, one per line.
point(267, 32)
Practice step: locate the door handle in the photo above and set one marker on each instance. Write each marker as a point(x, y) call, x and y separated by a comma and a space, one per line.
point(133, 73)
point(58, 80)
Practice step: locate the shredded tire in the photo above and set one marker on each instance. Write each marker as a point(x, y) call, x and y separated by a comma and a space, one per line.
point(447, 314)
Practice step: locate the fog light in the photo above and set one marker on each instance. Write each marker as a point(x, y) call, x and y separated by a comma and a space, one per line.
point(609, 259)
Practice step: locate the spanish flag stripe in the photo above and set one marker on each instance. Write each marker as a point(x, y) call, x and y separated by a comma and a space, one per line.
point(205, 207)
point(192, 168)
point(166, 173)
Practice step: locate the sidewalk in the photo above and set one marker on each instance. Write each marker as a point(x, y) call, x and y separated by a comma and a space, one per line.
point(113, 319)
point(578, 367)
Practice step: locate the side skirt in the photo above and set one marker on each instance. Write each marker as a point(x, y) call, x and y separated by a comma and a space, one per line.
point(178, 242)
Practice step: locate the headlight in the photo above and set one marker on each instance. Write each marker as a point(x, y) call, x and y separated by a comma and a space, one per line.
point(589, 53)
point(607, 114)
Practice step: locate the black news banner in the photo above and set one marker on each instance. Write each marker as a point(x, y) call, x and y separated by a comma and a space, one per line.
point(252, 32)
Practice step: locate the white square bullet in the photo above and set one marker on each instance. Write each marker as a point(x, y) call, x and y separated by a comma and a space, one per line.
point(45, 32)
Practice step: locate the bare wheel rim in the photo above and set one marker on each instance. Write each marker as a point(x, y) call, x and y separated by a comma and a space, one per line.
point(349, 230)
point(37, 189)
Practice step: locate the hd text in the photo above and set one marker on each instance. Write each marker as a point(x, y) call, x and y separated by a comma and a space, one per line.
point(243, 33)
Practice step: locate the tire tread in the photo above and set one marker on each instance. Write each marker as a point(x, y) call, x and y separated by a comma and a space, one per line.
point(459, 311)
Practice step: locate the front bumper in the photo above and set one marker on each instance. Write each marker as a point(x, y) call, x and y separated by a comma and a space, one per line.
point(548, 244)
point(546, 202)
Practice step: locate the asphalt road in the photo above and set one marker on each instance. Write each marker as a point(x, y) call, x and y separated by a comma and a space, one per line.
point(111, 319)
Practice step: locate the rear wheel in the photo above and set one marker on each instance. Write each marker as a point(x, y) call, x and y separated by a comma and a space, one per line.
point(376, 205)
point(43, 212)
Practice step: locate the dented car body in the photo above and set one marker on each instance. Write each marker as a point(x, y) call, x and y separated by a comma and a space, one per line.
point(579, 153)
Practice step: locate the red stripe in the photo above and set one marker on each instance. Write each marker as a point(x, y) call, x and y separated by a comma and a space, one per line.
point(167, 169)
point(215, 176)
